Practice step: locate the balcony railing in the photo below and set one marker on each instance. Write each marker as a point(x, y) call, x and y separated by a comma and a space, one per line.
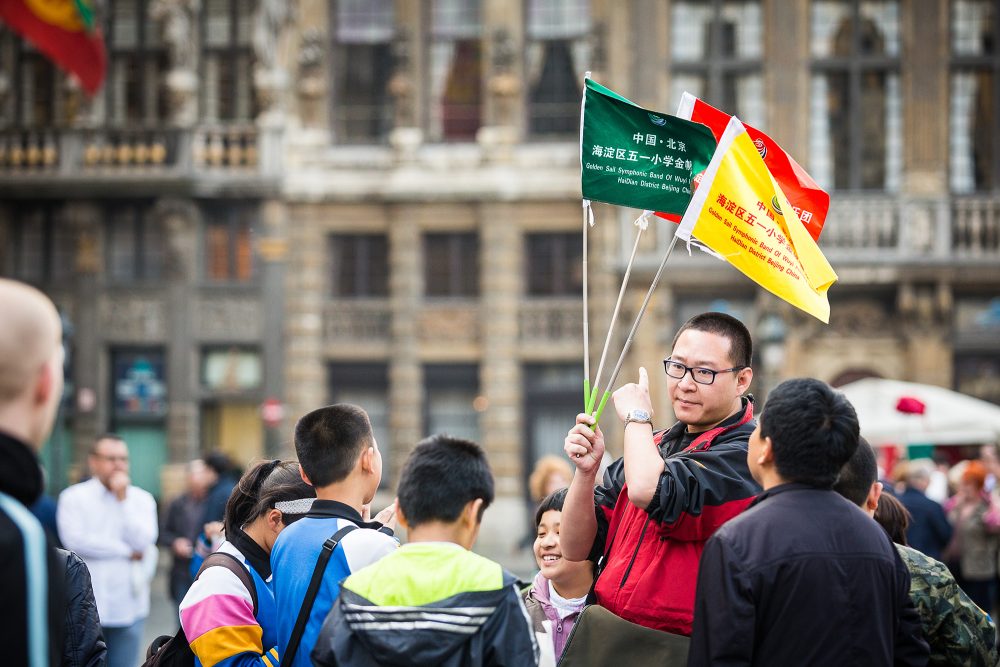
point(551, 320)
point(232, 149)
point(879, 229)
point(357, 320)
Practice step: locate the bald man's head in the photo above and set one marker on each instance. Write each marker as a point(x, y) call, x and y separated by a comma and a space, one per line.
point(30, 360)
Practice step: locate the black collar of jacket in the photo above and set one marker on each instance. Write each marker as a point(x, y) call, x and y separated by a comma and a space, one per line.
point(253, 552)
point(784, 488)
point(679, 430)
point(20, 475)
point(334, 509)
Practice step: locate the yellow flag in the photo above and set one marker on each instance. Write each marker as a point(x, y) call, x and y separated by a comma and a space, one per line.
point(740, 212)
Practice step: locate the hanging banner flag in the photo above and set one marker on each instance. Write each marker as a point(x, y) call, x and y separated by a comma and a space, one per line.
point(631, 156)
point(809, 201)
point(65, 31)
point(740, 213)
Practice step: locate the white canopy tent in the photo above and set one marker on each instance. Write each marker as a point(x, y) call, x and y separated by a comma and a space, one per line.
point(949, 418)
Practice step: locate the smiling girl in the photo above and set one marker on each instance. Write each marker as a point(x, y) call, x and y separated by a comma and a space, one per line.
point(560, 589)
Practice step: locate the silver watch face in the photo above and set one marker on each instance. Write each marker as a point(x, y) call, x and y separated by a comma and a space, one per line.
point(638, 416)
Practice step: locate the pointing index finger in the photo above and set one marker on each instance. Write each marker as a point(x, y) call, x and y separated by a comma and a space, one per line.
point(643, 378)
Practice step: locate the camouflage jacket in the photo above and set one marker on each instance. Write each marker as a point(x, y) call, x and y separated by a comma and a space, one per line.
point(959, 632)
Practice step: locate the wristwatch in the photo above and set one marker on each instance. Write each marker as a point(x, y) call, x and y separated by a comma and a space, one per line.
point(638, 416)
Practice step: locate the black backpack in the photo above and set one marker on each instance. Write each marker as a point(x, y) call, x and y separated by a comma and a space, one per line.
point(174, 650)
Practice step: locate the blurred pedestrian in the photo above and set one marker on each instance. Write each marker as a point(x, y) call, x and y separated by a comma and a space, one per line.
point(223, 477)
point(182, 525)
point(929, 531)
point(112, 525)
point(31, 384)
point(974, 545)
point(959, 633)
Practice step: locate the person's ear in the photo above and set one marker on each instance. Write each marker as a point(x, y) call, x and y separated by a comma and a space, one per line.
point(45, 384)
point(274, 522)
point(743, 379)
point(472, 512)
point(766, 456)
point(367, 459)
point(304, 476)
point(401, 517)
point(874, 493)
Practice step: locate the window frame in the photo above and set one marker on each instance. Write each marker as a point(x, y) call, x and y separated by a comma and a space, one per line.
point(339, 124)
point(142, 229)
point(230, 54)
point(716, 66)
point(145, 56)
point(456, 266)
point(432, 114)
point(855, 66)
point(363, 246)
point(233, 218)
point(561, 252)
point(966, 63)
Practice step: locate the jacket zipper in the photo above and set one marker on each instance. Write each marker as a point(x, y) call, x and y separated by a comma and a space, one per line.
point(636, 553)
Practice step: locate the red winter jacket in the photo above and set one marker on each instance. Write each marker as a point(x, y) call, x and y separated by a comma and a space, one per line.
point(651, 556)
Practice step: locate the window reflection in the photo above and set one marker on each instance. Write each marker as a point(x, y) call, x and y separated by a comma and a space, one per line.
point(363, 55)
point(557, 55)
point(456, 69)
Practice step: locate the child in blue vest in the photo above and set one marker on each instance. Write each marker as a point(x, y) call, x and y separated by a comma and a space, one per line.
point(341, 460)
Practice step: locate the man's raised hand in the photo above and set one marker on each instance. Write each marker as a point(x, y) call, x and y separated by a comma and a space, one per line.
point(584, 444)
point(633, 396)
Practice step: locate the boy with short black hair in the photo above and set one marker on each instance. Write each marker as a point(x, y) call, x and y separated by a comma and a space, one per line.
point(340, 458)
point(433, 602)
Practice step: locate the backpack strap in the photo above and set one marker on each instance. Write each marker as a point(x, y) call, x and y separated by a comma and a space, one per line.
point(36, 579)
point(307, 603)
point(233, 564)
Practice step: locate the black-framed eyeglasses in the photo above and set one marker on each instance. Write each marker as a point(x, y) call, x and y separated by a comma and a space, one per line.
point(677, 370)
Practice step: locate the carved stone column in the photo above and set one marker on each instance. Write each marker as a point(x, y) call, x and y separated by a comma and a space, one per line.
point(305, 368)
point(179, 20)
point(270, 78)
point(88, 419)
point(272, 248)
point(406, 394)
point(181, 220)
point(500, 372)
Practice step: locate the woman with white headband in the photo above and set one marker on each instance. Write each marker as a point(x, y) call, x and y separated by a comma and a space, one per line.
point(225, 623)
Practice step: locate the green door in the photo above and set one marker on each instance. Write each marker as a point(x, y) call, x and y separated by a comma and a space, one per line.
point(56, 457)
point(147, 447)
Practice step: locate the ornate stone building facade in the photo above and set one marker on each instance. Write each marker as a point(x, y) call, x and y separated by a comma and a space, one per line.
point(409, 173)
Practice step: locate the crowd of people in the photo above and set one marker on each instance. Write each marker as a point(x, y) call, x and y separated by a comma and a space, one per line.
point(726, 539)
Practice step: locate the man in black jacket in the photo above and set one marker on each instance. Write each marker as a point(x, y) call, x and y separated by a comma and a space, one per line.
point(803, 577)
point(32, 626)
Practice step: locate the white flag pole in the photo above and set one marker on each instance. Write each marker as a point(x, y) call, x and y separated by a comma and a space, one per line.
point(642, 222)
point(588, 221)
point(635, 326)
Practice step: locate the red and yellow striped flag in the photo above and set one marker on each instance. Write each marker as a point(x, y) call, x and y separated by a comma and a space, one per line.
point(65, 31)
point(741, 214)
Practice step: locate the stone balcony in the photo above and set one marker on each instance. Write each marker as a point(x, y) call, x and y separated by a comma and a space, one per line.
point(869, 230)
point(150, 157)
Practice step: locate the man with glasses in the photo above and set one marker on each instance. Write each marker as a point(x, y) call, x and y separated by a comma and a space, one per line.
point(659, 504)
point(112, 525)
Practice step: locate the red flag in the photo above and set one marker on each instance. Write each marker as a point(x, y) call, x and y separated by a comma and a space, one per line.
point(809, 201)
point(65, 31)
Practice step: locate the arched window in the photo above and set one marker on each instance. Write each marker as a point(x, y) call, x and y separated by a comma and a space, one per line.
point(855, 115)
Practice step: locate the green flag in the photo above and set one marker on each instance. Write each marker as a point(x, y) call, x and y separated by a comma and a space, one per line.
point(639, 158)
